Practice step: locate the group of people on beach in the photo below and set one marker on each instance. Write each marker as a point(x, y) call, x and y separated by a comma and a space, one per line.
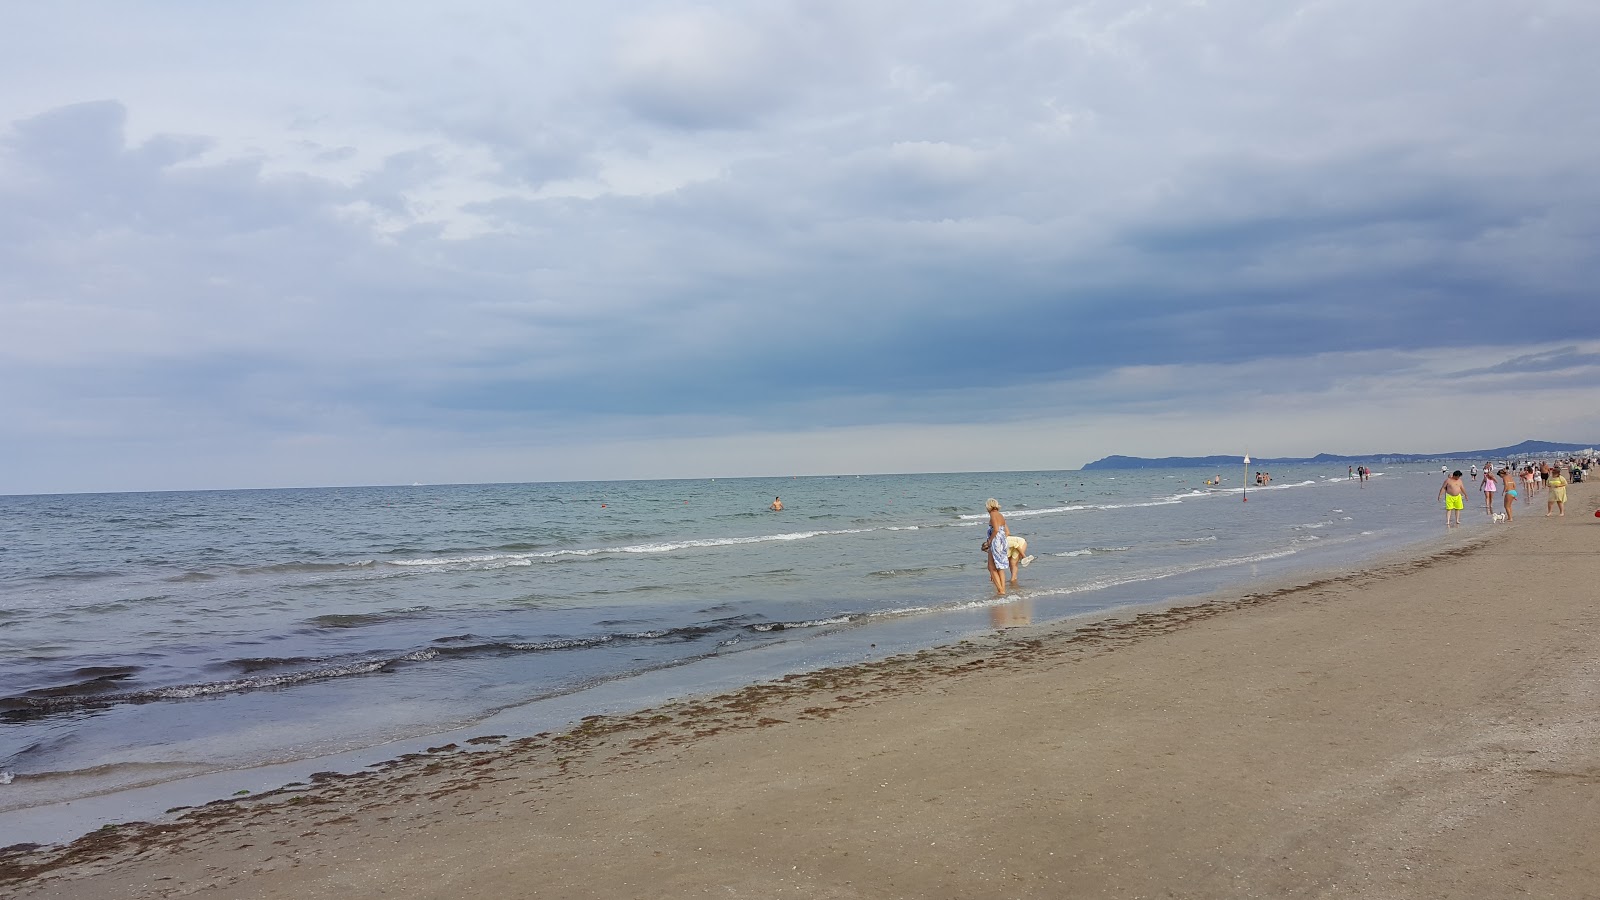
point(1509, 483)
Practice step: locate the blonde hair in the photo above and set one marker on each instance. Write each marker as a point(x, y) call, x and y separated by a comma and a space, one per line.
point(991, 503)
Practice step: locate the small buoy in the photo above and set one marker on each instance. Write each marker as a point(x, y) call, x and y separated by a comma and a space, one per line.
point(602, 506)
point(1597, 514)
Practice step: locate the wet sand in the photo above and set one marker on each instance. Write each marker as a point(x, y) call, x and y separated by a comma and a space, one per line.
point(1422, 728)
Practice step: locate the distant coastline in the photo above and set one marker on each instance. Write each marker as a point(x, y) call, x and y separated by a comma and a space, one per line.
point(1526, 448)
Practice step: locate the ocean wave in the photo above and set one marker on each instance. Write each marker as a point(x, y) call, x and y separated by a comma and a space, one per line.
point(1090, 551)
point(841, 619)
point(361, 620)
point(920, 570)
point(1257, 488)
point(1168, 572)
point(308, 568)
point(1078, 507)
point(495, 560)
point(1310, 525)
point(1198, 540)
point(94, 693)
point(191, 577)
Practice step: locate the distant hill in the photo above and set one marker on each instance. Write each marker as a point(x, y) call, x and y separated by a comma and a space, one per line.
point(1526, 448)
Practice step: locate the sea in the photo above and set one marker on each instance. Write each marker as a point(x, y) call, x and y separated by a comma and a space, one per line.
point(149, 639)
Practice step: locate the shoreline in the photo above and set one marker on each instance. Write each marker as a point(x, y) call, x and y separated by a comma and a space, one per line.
point(882, 702)
point(153, 801)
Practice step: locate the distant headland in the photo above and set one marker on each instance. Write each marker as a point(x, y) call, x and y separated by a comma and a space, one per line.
point(1526, 448)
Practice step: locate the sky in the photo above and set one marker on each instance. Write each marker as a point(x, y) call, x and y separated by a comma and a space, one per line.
point(330, 243)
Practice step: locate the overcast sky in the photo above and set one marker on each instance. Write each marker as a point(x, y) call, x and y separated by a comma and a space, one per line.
point(310, 243)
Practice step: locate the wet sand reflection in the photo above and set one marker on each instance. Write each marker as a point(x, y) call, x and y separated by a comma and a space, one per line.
point(1011, 614)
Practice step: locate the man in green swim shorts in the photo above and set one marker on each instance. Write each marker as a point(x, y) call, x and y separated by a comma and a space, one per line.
point(1454, 494)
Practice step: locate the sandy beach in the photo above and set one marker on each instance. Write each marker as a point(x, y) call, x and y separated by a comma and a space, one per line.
point(1419, 728)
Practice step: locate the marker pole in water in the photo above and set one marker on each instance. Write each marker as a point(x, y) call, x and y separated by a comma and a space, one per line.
point(1246, 478)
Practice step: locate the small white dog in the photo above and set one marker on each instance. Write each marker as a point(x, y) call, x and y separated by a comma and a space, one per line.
point(1499, 517)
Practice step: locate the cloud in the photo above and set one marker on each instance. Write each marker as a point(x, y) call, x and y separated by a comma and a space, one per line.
point(699, 68)
point(1563, 360)
point(741, 225)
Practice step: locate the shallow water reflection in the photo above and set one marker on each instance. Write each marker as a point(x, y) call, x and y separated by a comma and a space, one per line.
point(1011, 614)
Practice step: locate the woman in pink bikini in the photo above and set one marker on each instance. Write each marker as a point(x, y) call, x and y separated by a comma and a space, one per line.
point(1489, 486)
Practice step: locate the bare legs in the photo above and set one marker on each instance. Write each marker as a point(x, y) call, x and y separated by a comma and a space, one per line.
point(998, 577)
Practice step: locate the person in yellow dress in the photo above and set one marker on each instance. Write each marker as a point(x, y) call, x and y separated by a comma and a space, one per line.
point(1558, 494)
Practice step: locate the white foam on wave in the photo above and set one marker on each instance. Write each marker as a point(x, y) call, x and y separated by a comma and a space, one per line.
point(501, 560)
point(1193, 494)
point(843, 619)
point(1169, 572)
point(1090, 551)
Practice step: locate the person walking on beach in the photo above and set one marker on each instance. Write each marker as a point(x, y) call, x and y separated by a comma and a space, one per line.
point(1508, 479)
point(1454, 494)
point(1558, 494)
point(1489, 486)
point(995, 546)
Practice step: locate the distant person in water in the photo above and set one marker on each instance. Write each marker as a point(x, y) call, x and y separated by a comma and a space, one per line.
point(777, 504)
point(995, 546)
point(1453, 492)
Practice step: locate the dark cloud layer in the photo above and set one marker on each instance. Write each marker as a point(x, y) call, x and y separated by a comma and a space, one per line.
point(721, 221)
